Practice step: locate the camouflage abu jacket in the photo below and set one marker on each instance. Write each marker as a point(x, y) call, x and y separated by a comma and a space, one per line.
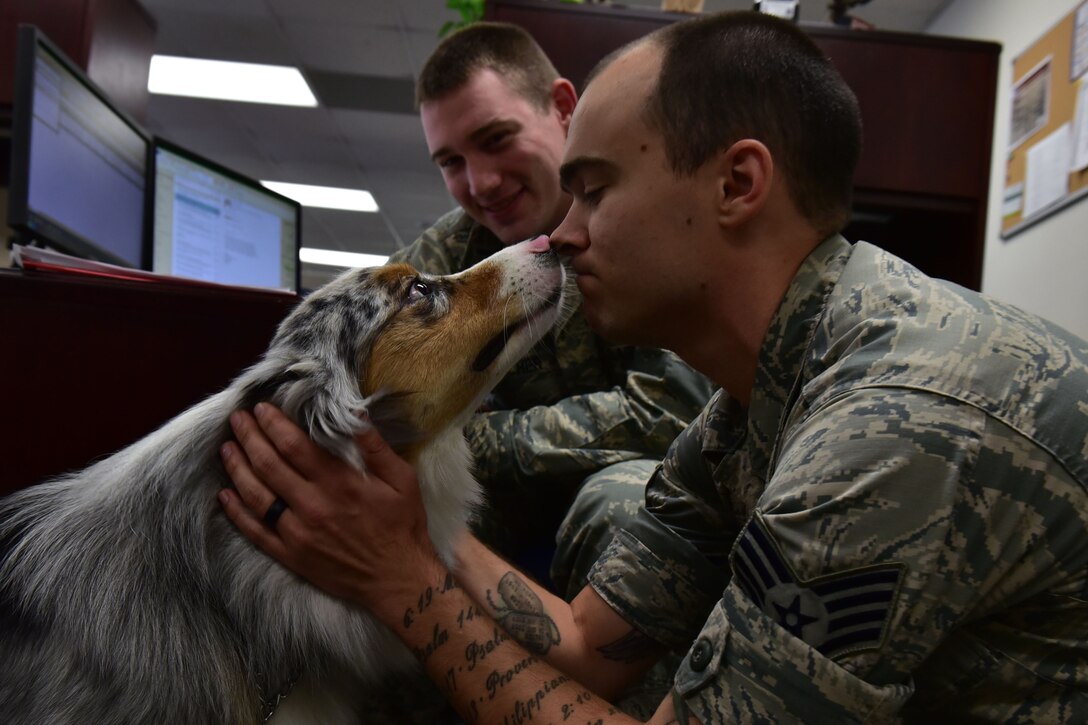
point(572, 405)
point(896, 527)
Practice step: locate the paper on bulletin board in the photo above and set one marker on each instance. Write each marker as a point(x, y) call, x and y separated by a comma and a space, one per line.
point(1013, 200)
point(1047, 175)
point(1080, 128)
point(1030, 103)
point(1078, 61)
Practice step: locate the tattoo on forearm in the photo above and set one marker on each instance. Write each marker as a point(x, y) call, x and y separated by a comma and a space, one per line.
point(497, 680)
point(450, 684)
point(467, 615)
point(525, 710)
point(475, 652)
point(426, 597)
point(631, 647)
point(581, 698)
point(439, 636)
point(522, 614)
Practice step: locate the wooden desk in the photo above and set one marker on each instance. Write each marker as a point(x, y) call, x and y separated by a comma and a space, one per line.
point(88, 366)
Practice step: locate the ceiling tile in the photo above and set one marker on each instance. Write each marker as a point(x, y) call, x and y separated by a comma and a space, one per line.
point(258, 8)
point(222, 36)
point(347, 48)
point(361, 55)
point(342, 12)
point(363, 92)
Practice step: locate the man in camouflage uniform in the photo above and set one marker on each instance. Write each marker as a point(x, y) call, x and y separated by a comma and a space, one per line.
point(898, 518)
point(890, 519)
point(884, 514)
point(495, 114)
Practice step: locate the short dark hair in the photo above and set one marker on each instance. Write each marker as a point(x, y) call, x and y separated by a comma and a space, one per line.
point(506, 49)
point(736, 75)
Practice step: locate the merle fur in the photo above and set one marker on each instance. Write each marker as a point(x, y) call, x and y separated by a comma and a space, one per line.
point(126, 596)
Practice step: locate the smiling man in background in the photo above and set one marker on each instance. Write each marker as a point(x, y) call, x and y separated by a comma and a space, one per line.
point(577, 414)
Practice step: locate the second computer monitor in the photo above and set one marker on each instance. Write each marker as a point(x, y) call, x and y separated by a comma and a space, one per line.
point(213, 224)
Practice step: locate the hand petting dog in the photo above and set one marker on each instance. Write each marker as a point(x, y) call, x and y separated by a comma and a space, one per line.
point(328, 504)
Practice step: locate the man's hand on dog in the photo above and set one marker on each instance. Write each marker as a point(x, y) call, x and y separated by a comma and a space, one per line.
point(352, 534)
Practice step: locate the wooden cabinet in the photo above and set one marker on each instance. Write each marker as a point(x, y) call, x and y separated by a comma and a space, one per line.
point(92, 365)
point(927, 106)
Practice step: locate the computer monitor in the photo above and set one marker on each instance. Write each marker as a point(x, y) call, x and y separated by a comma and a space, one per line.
point(78, 163)
point(214, 224)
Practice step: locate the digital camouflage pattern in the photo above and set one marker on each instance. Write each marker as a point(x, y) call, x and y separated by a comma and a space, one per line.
point(897, 526)
point(606, 503)
point(568, 409)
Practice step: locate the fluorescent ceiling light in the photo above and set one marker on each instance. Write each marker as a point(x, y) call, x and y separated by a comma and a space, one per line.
point(228, 81)
point(326, 197)
point(331, 258)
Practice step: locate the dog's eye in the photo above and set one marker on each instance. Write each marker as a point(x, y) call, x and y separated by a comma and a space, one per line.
point(419, 290)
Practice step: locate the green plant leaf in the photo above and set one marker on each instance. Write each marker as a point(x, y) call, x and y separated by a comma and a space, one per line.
point(469, 10)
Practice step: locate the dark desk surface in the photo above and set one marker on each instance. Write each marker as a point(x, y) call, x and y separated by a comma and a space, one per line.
point(88, 366)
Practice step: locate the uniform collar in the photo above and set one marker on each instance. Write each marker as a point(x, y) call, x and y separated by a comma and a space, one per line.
point(781, 359)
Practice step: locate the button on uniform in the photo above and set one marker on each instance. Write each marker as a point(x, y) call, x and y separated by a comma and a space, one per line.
point(701, 654)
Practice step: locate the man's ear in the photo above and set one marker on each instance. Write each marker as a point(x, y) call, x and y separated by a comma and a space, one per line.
point(746, 174)
point(564, 98)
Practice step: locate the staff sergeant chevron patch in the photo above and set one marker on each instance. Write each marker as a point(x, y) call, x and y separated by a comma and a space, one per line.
point(837, 613)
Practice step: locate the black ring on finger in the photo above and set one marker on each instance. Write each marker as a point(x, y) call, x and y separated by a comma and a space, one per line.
point(275, 510)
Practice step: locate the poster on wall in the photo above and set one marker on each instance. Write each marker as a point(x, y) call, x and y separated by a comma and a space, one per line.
point(1030, 103)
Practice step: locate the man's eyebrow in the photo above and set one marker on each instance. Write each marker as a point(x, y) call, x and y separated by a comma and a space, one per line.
point(478, 134)
point(439, 153)
point(578, 165)
point(491, 127)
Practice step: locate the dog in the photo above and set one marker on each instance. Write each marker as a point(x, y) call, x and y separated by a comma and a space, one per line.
point(127, 596)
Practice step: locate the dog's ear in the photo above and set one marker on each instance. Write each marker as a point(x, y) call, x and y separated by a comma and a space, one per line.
point(264, 389)
point(322, 400)
point(327, 405)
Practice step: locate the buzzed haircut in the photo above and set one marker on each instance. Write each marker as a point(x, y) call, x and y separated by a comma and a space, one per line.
point(737, 75)
point(506, 49)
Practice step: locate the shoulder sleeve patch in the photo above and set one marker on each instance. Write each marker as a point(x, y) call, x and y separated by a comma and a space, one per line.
point(836, 614)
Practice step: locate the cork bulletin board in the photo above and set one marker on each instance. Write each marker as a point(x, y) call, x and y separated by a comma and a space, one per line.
point(1047, 165)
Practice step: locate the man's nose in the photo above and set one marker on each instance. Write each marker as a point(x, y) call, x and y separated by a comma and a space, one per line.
point(483, 179)
point(571, 236)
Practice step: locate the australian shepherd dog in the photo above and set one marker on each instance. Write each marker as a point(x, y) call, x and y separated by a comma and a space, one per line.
point(126, 596)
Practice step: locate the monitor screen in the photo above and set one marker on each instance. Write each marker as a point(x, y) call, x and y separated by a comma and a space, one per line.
point(214, 224)
point(78, 162)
